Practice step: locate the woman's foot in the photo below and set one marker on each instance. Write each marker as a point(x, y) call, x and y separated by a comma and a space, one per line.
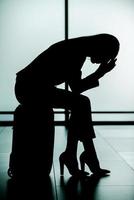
point(71, 163)
point(93, 164)
point(101, 172)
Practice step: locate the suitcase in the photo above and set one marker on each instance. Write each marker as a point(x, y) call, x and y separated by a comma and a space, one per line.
point(32, 143)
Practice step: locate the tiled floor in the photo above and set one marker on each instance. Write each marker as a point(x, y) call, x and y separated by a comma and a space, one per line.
point(115, 149)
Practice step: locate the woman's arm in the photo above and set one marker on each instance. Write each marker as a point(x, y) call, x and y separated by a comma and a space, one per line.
point(80, 85)
point(105, 68)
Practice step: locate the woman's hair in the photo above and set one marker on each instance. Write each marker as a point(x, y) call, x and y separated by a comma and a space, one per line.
point(103, 45)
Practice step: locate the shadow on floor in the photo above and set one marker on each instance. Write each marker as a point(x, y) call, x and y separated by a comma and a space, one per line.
point(74, 188)
point(30, 189)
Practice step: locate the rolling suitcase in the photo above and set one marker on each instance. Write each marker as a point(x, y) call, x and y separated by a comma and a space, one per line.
point(32, 143)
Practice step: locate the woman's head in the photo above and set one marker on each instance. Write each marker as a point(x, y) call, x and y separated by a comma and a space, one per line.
point(102, 47)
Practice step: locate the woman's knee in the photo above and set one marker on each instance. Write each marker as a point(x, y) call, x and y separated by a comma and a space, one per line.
point(85, 101)
point(82, 105)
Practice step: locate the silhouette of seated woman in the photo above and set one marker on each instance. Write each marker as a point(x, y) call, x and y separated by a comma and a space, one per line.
point(62, 62)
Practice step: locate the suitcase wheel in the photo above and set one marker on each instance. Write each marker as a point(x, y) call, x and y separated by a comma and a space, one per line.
point(10, 173)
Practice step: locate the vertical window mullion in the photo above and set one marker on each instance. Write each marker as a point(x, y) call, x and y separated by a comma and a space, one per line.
point(66, 38)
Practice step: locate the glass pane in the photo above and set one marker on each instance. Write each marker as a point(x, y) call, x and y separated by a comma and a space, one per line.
point(27, 29)
point(88, 17)
point(113, 117)
point(61, 86)
point(59, 117)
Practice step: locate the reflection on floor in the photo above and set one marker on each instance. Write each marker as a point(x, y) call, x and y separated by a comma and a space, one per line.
point(115, 149)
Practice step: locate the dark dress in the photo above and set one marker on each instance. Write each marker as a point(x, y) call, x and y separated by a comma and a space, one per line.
point(36, 85)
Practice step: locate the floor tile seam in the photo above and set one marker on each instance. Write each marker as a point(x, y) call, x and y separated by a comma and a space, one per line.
point(114, 137)
point(107, 142)
point(127, 163)
point(2, 129)
point(55, 183)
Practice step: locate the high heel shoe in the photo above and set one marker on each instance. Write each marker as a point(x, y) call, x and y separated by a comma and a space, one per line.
point(71, 164)
point(92, 164)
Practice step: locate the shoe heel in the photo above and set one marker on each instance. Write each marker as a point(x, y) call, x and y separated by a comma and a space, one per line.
point(61, 166)
point(82, 165)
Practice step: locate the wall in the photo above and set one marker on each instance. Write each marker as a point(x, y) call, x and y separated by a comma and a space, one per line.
point(87, 17)
point(26, 29)
point(29, 27)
